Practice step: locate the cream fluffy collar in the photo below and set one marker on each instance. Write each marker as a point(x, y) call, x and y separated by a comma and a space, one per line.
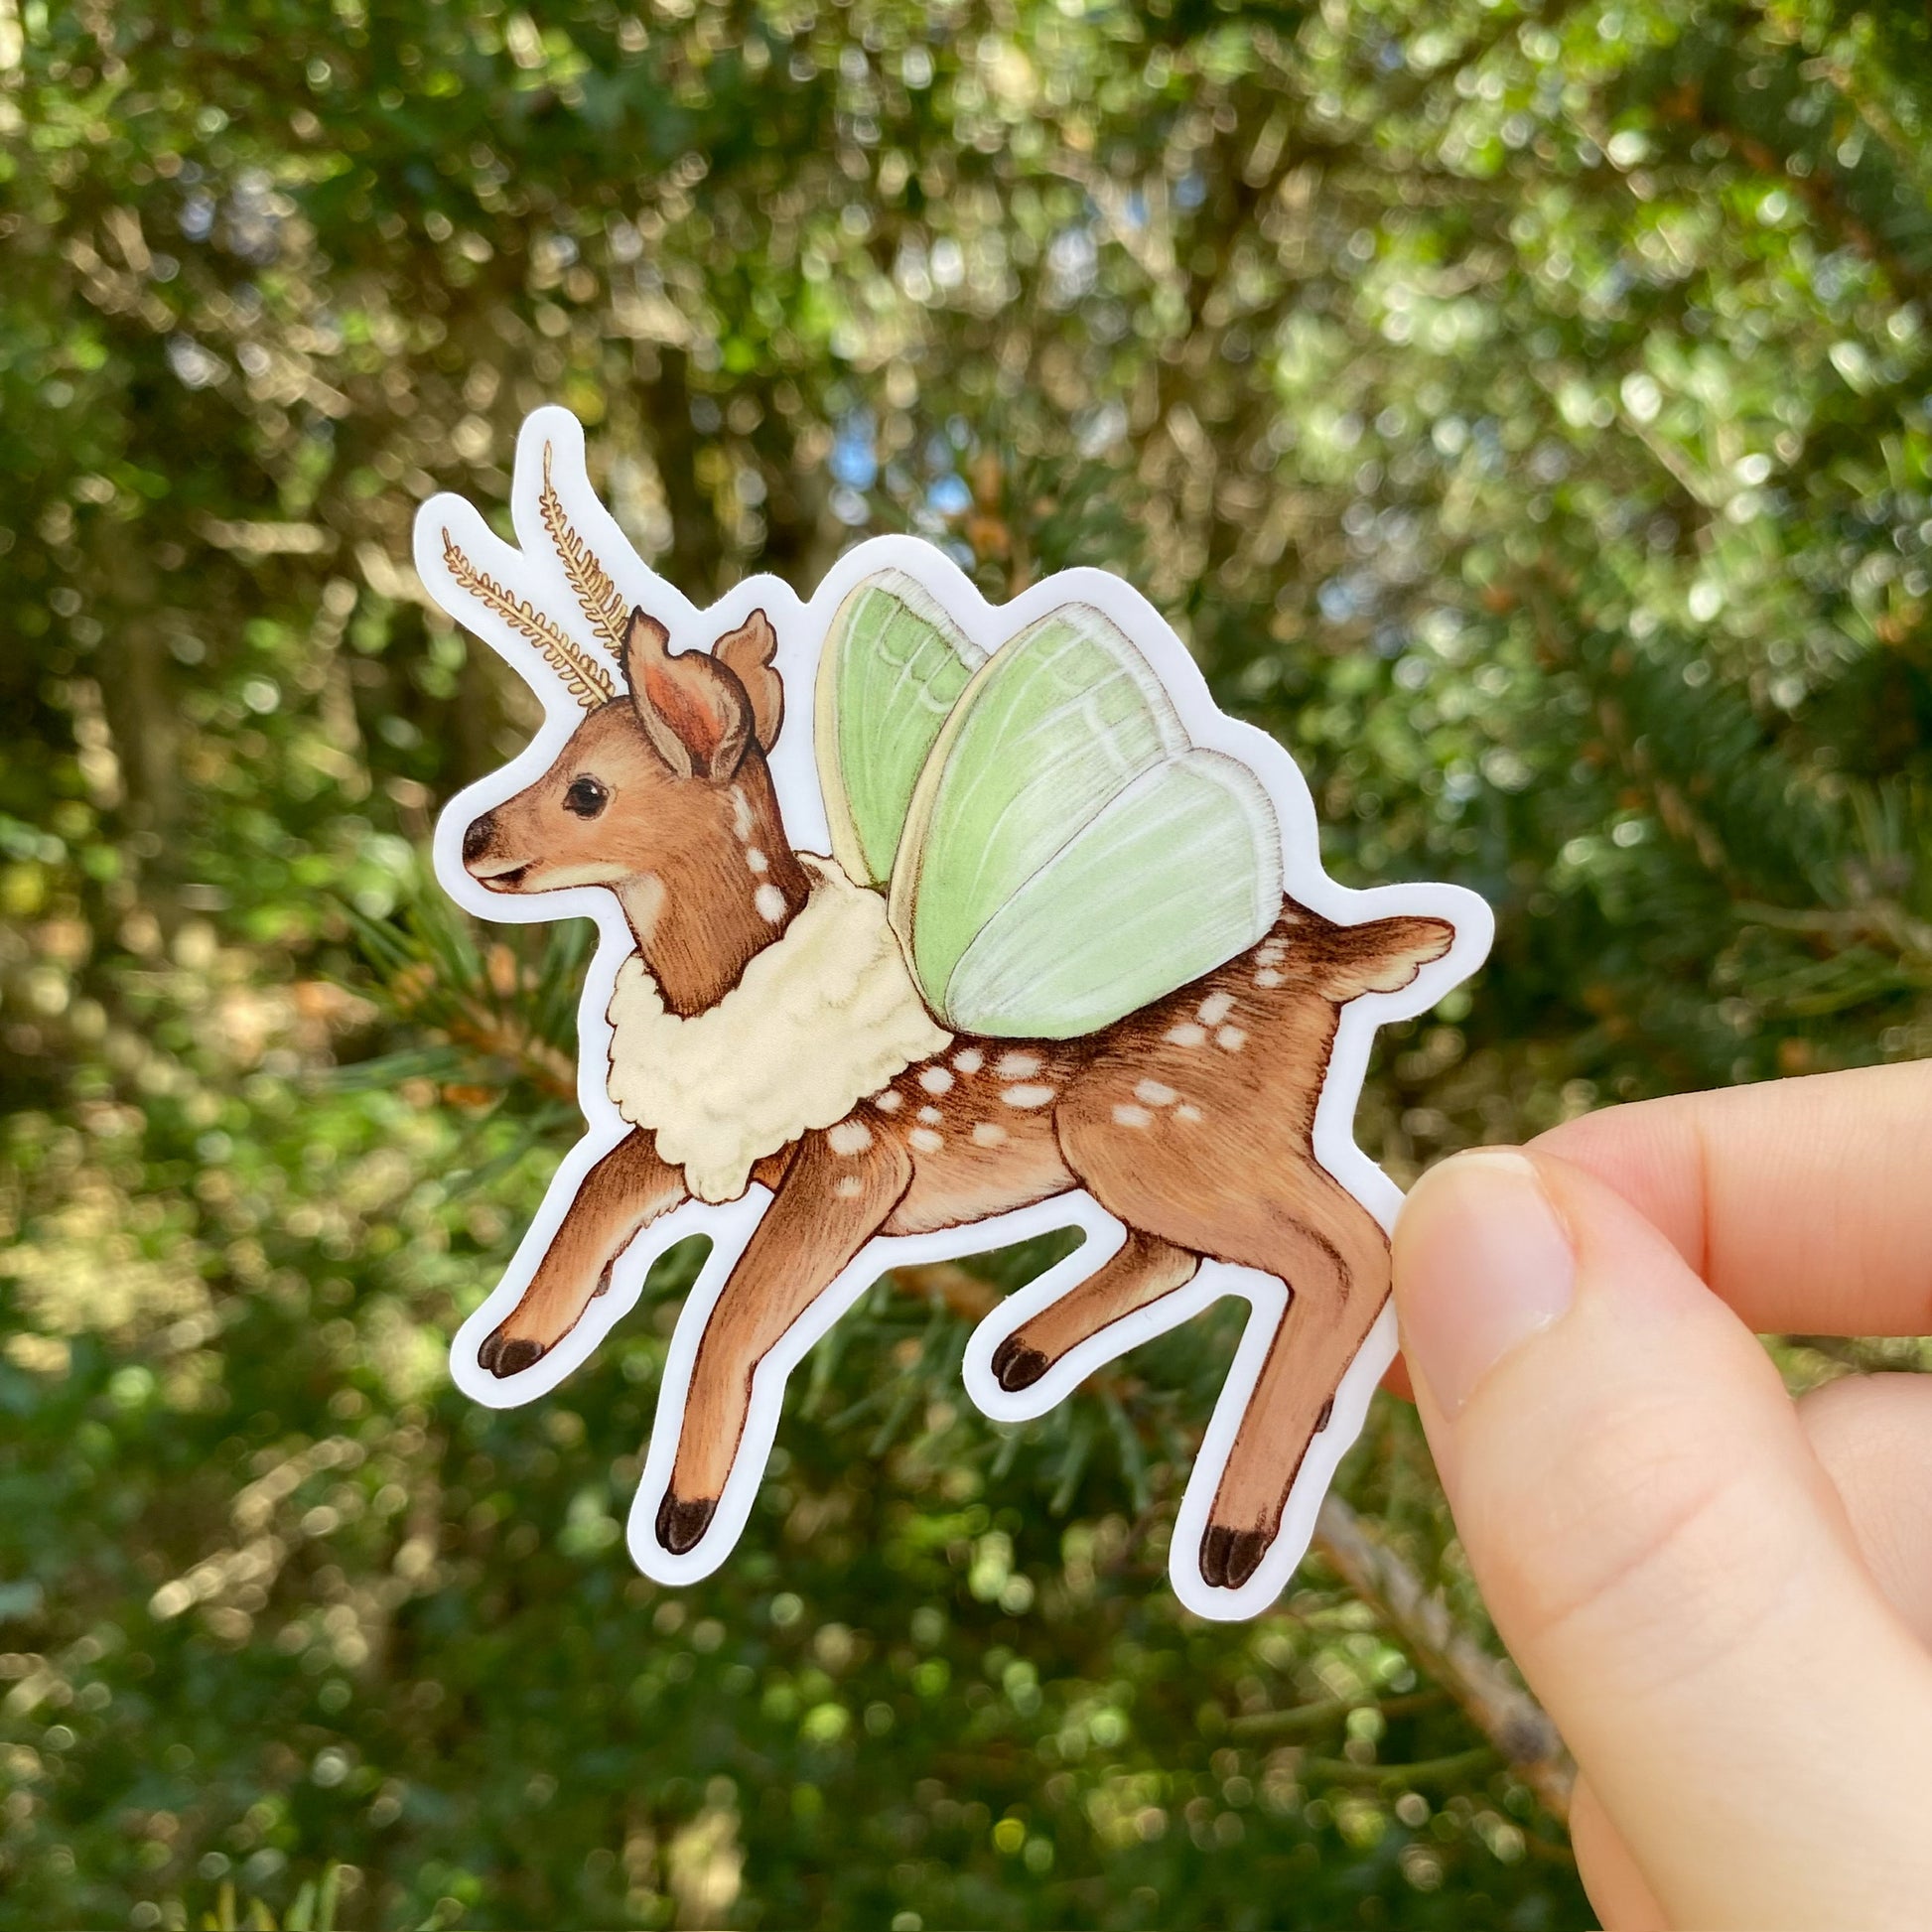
point(823, 1016)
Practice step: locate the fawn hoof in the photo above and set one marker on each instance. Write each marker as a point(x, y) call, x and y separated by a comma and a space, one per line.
point(1015, 1366)
point(505, 1355)
point(1228, 1558)
point(681, 1526)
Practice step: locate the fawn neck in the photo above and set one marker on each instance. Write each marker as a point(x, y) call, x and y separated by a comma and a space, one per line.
point(723, 894)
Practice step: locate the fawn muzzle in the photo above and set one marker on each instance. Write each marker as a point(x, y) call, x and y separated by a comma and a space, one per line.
point(484, 863)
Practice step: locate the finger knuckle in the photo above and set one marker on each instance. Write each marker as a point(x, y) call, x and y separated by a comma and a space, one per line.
point(1647, 1539)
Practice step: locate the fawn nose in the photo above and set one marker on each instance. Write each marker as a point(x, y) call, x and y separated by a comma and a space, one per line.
point(477, 836)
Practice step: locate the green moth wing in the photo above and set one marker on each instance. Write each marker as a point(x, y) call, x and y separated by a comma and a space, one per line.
point(893, 666)
point(1168, 881)
point(1068, 854)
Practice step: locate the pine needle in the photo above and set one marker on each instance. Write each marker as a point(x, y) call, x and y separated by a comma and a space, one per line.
point(585, 680)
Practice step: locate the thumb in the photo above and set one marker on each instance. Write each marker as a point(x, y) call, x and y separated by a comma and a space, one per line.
point(1663, 1555)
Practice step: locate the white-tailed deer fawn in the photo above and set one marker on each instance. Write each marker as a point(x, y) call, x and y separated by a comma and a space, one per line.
point(1190, 1119)
point(1070, 959)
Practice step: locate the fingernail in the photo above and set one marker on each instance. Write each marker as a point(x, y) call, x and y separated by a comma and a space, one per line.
point(1482, 1263)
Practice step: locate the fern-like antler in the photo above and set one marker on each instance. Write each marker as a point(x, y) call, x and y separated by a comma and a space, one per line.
point(584, 678)
point(596, 596)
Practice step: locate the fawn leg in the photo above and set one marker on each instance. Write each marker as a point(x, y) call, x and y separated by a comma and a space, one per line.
point(627, 1188)
point(1336, 1260)
point(827, 1208)
point(1144, 1268)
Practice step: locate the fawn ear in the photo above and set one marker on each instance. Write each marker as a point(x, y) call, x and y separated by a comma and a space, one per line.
point(1383, 955)
point(694, 712)
point(749, 652)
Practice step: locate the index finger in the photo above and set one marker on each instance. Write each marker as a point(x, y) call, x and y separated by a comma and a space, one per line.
point(1806, 1204)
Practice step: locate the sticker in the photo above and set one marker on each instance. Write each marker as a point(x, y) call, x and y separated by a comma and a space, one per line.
point(928, 925)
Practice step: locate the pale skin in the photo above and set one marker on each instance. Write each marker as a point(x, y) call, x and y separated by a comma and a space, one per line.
point(1723, 1596)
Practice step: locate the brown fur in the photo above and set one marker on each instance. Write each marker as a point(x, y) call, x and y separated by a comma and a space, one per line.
point(1191, 1120)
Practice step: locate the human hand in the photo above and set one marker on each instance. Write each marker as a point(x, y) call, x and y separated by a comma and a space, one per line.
point(1722, 1597)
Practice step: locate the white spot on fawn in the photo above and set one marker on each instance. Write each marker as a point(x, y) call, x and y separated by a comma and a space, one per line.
point(757, 860)
point(1017, 1067)
point(850, 1136)
point(1230, 1040)
point(1037, 1096)
point(932, 1116)
point(1271, 951)
point(1130, 1116)
point(771, 903)
point(1154, 1093)
point(935, 1079)
point(643, 905)
point(848, 1187)
point(1267, 977)
point(925, 1140)
point(988, 1132)
point(741, 812)
point(1188, 1112)
point(1187, 1034)
point(1214, 1008)
point(969, 1059)
point(889, 1101)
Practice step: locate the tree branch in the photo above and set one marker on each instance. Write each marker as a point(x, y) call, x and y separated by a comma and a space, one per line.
point(1513, 1722)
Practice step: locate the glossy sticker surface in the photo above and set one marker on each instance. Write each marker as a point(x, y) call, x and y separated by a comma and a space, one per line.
point(928, 925)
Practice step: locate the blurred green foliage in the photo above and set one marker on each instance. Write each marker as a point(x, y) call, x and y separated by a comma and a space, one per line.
point(1522, 410)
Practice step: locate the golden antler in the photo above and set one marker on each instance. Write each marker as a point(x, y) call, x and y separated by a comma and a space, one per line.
point(584, 678)
point(596, 596)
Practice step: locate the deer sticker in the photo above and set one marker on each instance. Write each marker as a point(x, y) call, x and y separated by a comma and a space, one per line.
point(928, 925)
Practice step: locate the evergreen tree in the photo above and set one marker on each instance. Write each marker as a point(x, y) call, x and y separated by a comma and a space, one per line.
point(1522, 411)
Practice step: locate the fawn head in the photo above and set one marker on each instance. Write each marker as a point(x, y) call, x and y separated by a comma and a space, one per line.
point(662, 792)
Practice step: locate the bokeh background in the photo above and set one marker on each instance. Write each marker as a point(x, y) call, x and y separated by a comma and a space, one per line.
point(1522, 412)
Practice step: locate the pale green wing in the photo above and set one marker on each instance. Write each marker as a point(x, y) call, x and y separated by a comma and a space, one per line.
point(1172, 879)
point(893, 668)
point(1070, 854)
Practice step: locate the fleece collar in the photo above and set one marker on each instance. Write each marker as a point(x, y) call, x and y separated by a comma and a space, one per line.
point(823, 1016)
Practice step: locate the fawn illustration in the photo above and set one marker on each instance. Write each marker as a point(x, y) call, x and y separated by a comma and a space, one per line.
point(1133, 1010)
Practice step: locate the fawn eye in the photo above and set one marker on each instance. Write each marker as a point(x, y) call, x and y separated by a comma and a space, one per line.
point(585, 798)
